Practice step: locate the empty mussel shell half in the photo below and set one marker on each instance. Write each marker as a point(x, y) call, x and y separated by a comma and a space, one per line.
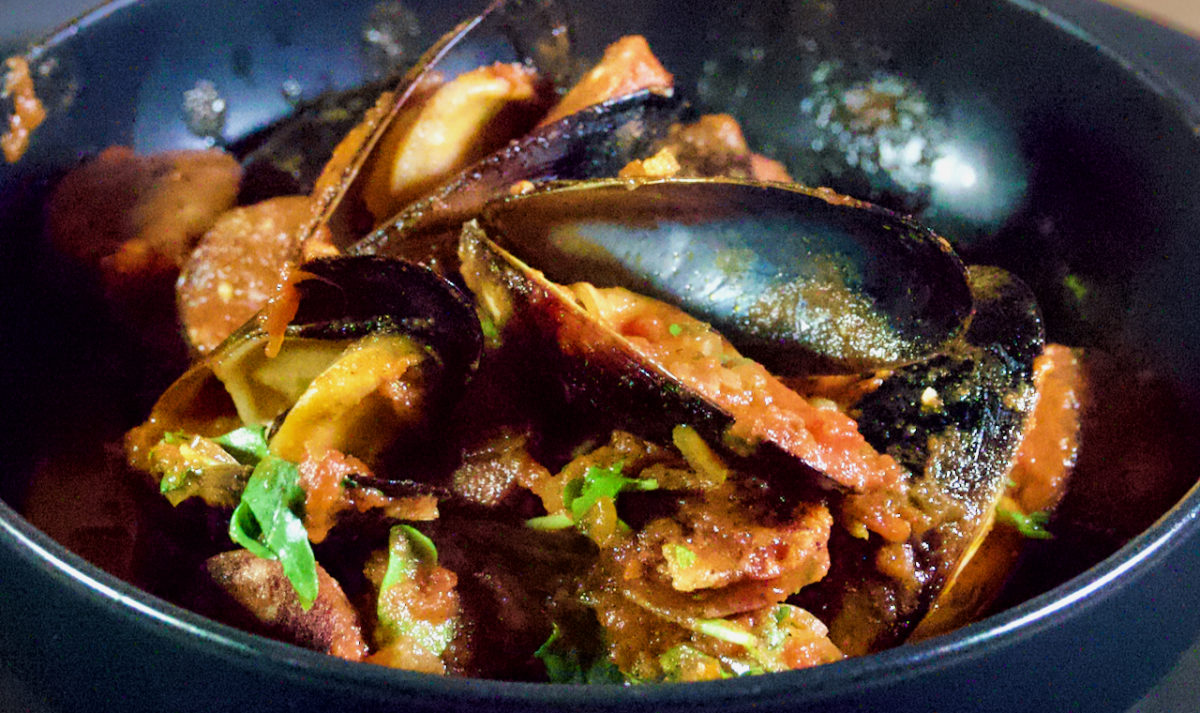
point(803, 280)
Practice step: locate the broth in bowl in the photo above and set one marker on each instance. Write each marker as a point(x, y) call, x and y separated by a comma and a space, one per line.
point(408, 436)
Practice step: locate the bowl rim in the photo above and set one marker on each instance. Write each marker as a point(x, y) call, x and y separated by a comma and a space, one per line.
point(1003, 629)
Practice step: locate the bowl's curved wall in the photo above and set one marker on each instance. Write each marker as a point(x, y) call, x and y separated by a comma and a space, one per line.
point(1093, 172)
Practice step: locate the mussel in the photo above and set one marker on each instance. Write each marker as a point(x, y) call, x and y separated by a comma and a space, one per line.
point(656, 367)
point(595, 142)
point(286, 158)
point(955, 422)
point(583, 136)
point(520, 31)
point(674, 280)
point(802, 280)
point(915, 491)
point(376, 349)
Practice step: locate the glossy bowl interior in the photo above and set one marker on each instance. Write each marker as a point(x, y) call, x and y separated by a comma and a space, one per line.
point(1067, 161)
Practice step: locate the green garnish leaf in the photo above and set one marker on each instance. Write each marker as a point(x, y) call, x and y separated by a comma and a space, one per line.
point(193, 466)
point(683, 663)
point(675, 330)
point(409, 549)
point(582, 493)
point(726, 631)
point(420, 544)
point(681, 555)
point(566, 664)
point(247, 444)
point(559, 521)
point(600, 483)
point(269, 521)
point(1032, 525)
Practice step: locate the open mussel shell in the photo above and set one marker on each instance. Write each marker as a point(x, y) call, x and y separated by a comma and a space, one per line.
point(345, 296)
point(286, 157)
point(595, 142)
point(342, 302)
point(533, 31)
point(956, 422)
point(602, 375)
point(802, 280)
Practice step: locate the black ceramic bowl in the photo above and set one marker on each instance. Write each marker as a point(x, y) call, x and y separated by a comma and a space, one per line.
point(1061, 159)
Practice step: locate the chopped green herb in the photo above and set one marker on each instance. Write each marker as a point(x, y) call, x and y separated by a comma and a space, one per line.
point(774, 632)
point(675, 330)
point(1076, 286)
point(421, 545)
point(560, 521)
point(1032, 525)
point(247, 444)
point(686, 663)
point(726, 631)
point(765, 641)
point(409, 549)
point(600, 483)
point(488, 327)
point(566, 664)
point(582, 493)
point(193, 466)
point(681, 555)
point(269, 521)
point(403, 556)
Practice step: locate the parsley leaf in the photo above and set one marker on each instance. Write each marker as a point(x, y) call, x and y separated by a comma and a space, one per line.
point(765, 640)
point(488, 327)
point(409, 549)
point(1032, 525)
point(600, 483)
point(582, 493)
point(269, 521)
point(567, 664)
point(192, 466)
point(247, 444)
point(681, 556)
point(404, 557)
point(687, 663)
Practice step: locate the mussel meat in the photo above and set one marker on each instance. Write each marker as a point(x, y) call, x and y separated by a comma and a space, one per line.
point(375, 351)
point(506, 31)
